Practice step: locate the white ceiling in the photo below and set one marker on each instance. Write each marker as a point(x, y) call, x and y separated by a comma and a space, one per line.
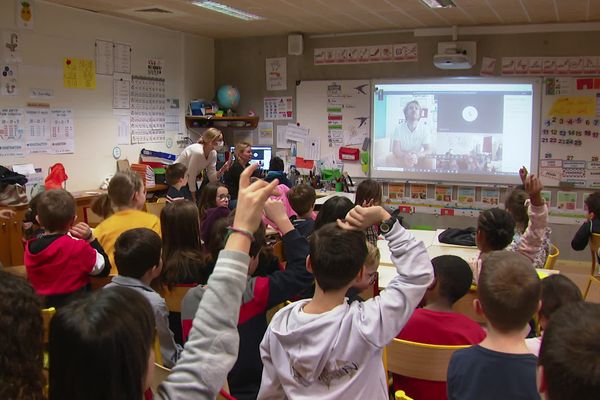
point(339, 16)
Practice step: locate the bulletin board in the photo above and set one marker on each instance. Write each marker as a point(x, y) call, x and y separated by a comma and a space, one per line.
point(570, 130)
point(338, 112)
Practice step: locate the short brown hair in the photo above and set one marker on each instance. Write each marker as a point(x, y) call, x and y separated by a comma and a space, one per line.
point(509, 290)
point(336, 255)
point(56, 209)
point(368, 190)
point(136, 251)
point(175, 172)
point(302, 198)
point(122, 187)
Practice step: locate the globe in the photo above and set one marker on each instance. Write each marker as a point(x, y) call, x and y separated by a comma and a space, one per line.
point(228, 97)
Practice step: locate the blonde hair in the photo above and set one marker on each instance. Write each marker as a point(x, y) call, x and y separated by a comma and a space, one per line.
point(241, 146)
point(209, 135)
point(373, 254)
point(122, 187)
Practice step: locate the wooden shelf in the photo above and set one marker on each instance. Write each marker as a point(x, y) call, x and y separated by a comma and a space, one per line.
point(192, 121)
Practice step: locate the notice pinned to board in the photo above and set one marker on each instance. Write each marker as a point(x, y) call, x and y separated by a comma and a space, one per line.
point(574, 106)
point(296, 133)
point(265, 133)
point(278, 108)
point(312, 148)
point(79, 73)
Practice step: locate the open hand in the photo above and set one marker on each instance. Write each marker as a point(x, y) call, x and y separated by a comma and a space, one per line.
point(534, 186)
point(251, 200)
point(523, 174)
point(360, 218)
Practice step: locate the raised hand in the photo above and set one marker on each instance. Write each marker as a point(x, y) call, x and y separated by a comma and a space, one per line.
point(360, 218)
point(82, 231)
point(523, 174)
point(534, 186)
point(251, 200)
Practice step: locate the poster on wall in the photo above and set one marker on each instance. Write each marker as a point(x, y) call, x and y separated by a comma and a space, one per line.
point(11, 132)
point(79, 73)
point(276, 70)
point(400, 52)
point(147, 110)
point(25, 13)
point(121, 91)
point(9, 80)
point(570, 132)
point(62, 131)
point(122, 58)
point(566, 200)
point(490, 197)
point(156, 67)
point(265, 133)
point(278, 108)
point(37, 130)
point(466, 195)
point(396, 192)
point(443, 193)
point(10, 46)
point(105, 55)
point(418, 191)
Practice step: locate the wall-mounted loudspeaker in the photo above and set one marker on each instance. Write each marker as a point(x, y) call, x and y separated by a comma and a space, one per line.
point(295, 44)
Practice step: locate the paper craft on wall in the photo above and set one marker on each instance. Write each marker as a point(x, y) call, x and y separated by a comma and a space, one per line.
point(25, 12)
point(401, 52)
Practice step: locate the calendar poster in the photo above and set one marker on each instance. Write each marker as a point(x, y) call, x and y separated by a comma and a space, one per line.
point(277, 108)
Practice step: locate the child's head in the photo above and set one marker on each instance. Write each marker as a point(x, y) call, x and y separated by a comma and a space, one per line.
point(21, 343)
point(592, 205)
point(109, 330)
point(302, 199)
point(495, 229)
point(337, 256)
point(557, 290)
point(214, 194)
point(180, 228)
point(276, 164)
point(515, 205)
point(56, 210)
point(126, 190)
point(137, 251)
point(570, 352)
point(176, 174)
point(369, 193)
point(509, 290)
point(333, 209)
point(453, 278)
point(370, 268)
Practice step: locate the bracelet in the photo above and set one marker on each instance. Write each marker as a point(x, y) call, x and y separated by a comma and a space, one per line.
point(88, 237)
point(231, 229)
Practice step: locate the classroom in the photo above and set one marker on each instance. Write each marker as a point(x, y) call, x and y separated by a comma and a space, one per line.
point(92, 83)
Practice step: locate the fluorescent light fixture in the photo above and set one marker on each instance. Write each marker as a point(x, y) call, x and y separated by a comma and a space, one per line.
point(225, 9)
point(439, 3)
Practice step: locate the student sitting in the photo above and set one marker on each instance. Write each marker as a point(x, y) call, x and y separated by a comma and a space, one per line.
point(123, 326)
point(592, 225)
point(496, 227)
point(326, 348)
point(517, 204)
point(302, 199)
point(557, 290)
point(568, 364)
point(276, 172)
point(333, 209)
point(214, 204)
point(177, 179)
point(436, 323)
point(370, 276)
point(59, 265)
point(501, 366)
point(262, 293)
point(21, 344)
point(126, 196)
point(137, 254)
point(369, 193)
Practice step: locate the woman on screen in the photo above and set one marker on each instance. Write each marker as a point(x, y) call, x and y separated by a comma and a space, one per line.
point(411, 140)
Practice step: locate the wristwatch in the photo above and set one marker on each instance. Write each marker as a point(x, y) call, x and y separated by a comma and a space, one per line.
point(386, 226)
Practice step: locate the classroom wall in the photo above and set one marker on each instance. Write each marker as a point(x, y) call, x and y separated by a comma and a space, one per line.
point(241, 62)
point(60, 32)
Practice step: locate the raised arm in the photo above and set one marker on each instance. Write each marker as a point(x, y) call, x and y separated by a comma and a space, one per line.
point(533, 237)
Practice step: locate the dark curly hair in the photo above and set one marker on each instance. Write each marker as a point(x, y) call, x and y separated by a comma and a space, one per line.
point(21, 344)
point(498, 226)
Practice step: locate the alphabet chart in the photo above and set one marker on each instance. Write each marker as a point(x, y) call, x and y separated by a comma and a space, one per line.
point(147, 110)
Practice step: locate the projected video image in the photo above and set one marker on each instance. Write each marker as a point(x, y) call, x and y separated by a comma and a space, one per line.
point(480, 129)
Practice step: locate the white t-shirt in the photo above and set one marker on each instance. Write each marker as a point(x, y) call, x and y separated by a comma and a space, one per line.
point(412, 141)
point(195, 161)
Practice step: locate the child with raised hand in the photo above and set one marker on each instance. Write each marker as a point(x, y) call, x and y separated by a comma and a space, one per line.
point(369, 193)
point(591, 225)
point(517, 204)
point(568, 364)
point(58, 263)
point(333, 209)
point(501, 366)
point(214, 204)
point(126, 196)
point(21, 344)
point(261, 294)
point(126, 324)
point(437, 323)
point(557, 290)
point(326, 348)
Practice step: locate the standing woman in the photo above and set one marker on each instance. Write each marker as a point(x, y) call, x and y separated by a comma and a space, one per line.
point(243, 155)
point(203, 155)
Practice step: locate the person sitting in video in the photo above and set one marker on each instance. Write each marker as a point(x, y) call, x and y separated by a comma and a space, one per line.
point(411, 139)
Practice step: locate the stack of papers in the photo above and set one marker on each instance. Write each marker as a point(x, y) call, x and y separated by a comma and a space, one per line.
point(146, 173)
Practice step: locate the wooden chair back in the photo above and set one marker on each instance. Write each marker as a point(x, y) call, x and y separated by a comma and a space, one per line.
point(419, 360)
point(594, 247)
point(174, 297)
point(158, 359)
point(161, 373)
point(47, 314)
point(552, 257)
point(155, 208)
point(592, 293)
point(278, 251)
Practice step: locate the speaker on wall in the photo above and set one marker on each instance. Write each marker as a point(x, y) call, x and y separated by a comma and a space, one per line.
point(295, 44)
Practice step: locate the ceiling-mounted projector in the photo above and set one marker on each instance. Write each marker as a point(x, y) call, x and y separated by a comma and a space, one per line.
point(455, 55)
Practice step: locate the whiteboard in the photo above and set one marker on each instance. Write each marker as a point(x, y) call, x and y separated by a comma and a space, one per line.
point(338, 112)
point(570, 132)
